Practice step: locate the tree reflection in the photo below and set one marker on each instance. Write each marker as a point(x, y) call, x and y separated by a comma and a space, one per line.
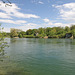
point(13, 40)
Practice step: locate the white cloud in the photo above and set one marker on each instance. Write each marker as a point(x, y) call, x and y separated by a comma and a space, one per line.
point(28, 26)
point(37, 1)
point(60, 24)
point(14, 10)
point(20, 22)
point(4, 15)
point(21, 15)
point(54, 24)
point(40, 2)
point(46, 20)
point(13, 22)
point(6, 30)
point(25, 27)
point(67, 11)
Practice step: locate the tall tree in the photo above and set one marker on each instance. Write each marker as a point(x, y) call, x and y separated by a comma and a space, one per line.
point(13, 33)
point(67, 29)
point(72, 27)
point(29, 32)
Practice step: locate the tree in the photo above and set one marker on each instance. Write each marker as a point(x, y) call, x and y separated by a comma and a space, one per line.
point(34, 32)
point(4, 34)
point(41, 30)
point(73, 32)
point(22, 32)
point(52, 32)
point(29, 32)
point(3, 44)
point(67, 29)
point(13, 33)
point(72, 27)
point(20, 36)
point(48, 29)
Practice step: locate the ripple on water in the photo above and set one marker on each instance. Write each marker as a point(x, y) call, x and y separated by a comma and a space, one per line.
point(39, 57)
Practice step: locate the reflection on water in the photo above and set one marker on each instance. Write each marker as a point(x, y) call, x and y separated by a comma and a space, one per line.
point(13, 40)
point(39, 57)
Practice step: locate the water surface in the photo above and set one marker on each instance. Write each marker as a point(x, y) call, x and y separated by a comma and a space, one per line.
point(31, 56)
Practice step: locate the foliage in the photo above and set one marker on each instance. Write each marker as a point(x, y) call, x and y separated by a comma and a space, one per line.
point(41, 35)
point(54, 32)
point(7, 35)
point(3, 44)
point(20, 35)
point(73, 32)
point(29, 32)
point(48, 29)
point(13, 33)
point(34, 32)
point(28, 36)
point(54, 36)
point(67, 29)
point(72, 27)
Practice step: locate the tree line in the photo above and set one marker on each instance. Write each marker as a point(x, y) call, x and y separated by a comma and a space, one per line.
point(54, 32)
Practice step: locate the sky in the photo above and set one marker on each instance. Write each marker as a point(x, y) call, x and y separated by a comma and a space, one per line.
point(33, 14)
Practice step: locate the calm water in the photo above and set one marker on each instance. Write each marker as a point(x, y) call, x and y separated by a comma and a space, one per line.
point(39, 57)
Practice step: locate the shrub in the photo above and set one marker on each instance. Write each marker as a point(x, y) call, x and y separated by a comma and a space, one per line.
point(54, 36)
point(20, 36)
point(28, 36)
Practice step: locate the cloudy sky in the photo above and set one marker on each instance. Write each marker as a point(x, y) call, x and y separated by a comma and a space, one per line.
point(30, 14)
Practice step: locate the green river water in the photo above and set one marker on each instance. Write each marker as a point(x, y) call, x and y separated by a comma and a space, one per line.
point(35, 56)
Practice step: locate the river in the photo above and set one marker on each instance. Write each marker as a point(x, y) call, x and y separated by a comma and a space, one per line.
point(37, 56)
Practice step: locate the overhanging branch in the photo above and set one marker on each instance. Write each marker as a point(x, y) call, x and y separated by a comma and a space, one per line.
point(6, 4)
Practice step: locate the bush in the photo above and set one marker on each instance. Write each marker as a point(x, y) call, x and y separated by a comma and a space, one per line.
point(28, 36)
point(61, 35)
point(0, 35)
point(54, 36)
point(20, 36)
point(41, 35)
point(73, 32)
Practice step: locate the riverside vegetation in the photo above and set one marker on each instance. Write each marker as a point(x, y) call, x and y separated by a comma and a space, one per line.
point(54, 32)
point(3, 44)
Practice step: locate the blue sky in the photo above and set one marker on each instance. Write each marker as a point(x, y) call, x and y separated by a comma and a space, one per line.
point(30, 14)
